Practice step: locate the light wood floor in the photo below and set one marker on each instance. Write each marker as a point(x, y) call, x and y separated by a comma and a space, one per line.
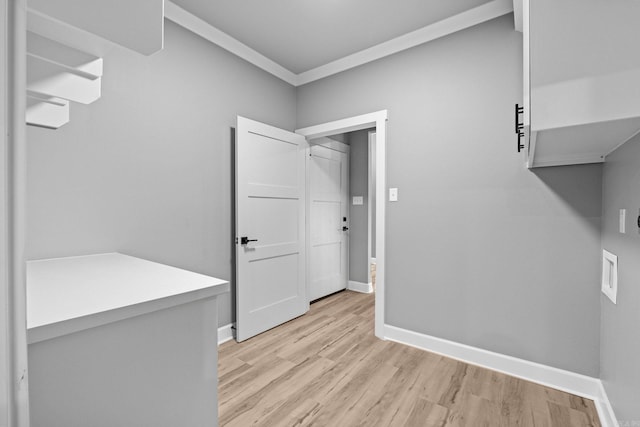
point(327, 369)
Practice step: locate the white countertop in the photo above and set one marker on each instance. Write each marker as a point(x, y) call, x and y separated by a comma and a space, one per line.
point(66, 295)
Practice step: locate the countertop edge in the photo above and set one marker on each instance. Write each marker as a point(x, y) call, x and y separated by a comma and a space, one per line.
point(64, 327)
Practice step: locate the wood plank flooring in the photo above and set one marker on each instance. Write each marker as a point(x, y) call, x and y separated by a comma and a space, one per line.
point(326, 368)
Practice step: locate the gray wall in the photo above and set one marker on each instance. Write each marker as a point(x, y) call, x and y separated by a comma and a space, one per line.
point(146, 170)
point(359, 215)
point(372, 198)
point(341, 137)
point(480, 250)
point(620, 334)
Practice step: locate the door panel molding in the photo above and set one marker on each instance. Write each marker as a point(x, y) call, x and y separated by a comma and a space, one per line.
point(270, 214)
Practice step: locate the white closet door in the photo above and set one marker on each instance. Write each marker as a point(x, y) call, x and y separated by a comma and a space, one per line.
point(328, 219)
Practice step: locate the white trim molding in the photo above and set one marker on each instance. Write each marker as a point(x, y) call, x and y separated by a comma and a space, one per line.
point(461, 21)
point(226, 333)
point(453, 24)
point(605, 411)
point(350, 124)
point(571, 382)
point(178, 15)
point(365, 288)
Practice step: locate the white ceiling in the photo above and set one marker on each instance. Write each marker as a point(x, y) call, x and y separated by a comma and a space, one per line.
point(301, 35)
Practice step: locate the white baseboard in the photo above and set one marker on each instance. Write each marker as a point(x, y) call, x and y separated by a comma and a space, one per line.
point(365, 288)
point(571, 382)
point(605, 411)
point(226, 333)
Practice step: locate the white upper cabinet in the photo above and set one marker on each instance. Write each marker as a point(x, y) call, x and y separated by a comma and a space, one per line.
point(582, 75)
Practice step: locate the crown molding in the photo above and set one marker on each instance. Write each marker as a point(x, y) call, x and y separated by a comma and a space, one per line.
point(469, 18)
point(175, 13)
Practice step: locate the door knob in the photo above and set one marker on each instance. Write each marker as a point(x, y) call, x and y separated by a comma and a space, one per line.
point(245, 240)
point(345, 228)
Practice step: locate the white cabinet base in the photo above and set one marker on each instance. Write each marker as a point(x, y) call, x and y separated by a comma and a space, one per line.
point(157, 369)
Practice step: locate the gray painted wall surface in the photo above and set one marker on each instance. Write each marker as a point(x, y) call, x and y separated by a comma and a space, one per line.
point(372, 197)
point(341, 137)
point(620, 335)
point(147, 169)
point(358, 215)
point(480, 250)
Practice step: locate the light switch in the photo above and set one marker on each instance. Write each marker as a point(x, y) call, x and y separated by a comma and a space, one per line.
point(358, 200)
point(393, 194)
point(623, 220)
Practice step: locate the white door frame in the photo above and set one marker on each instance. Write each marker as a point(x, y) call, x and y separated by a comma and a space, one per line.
point(378, 120)
point(14, 397)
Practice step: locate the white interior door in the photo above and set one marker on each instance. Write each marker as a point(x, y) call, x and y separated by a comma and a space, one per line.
point(328, 219)
point(270, 227)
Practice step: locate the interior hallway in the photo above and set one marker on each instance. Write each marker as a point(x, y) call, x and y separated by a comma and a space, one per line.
point(327, 368)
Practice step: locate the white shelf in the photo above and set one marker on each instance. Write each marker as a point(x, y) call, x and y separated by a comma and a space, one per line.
point(67, 295)
point(51, 79)
point(46, 111)
point(72, 60)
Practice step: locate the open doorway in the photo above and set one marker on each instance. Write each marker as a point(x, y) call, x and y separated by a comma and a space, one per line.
point(375, 126)
point(271, 235)
point(328, 220)
point(340, 214)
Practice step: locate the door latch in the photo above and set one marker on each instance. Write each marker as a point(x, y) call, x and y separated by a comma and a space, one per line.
point(245, 240)
point(345, 228)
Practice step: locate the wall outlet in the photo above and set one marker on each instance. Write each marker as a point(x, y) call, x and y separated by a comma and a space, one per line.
point(623, 220)
point(358, 200)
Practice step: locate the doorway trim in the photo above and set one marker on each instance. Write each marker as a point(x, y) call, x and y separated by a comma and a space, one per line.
point(378, 120)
